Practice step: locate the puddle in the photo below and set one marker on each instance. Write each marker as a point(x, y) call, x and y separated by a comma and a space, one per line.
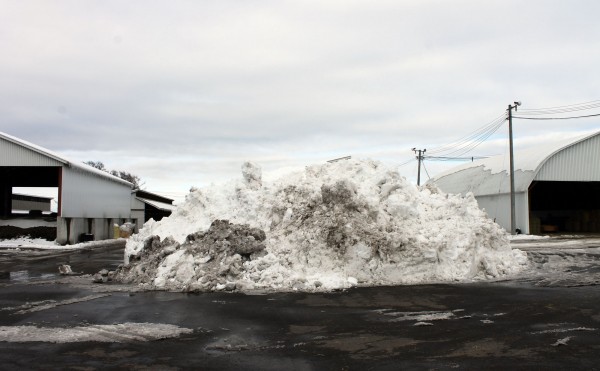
point(16, 268)
point(26, 276)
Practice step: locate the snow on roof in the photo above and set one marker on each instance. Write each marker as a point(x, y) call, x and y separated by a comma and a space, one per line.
point(152, 196)
point(490, 175)
point(157, 204)
point(33, 147)
point(72, 164)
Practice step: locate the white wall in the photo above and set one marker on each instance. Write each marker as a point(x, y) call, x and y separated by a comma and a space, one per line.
point(89, 196)
point(498, 207)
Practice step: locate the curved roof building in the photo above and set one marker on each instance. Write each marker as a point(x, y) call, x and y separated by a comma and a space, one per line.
point(557, 186)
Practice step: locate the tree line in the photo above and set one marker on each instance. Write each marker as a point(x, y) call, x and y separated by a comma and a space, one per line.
point(125, 175)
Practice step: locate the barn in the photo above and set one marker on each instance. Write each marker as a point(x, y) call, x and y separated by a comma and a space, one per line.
point(557, 186)
point(90, 201)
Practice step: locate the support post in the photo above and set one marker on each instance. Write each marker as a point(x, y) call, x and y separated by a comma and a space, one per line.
point(420, 158)
point(513, 221)
point(5, 199)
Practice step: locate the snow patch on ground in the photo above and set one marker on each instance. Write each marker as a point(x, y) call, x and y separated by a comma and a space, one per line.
point(27, 223)
point(330, 226)
point(20, 244)
point(37, 306)
point(527, 237)
point(28, 242)
point(420, 317)
point(119, 333)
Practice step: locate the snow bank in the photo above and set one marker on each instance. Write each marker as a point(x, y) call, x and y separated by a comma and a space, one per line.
point(330, 226)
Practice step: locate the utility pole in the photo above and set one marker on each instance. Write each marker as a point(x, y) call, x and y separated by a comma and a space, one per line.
point(420, 158)
point(513, 221)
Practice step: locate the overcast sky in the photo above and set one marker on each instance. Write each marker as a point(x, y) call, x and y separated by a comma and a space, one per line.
point(181, 93)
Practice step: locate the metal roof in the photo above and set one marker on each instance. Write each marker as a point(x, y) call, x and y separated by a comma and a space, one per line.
point(158, 205)
point(490, 176)
point(61, 159)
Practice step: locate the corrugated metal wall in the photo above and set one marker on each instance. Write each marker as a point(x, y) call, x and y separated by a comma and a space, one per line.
point(15, 155)
point(89, 196)
point(30, 205)
point(498, 208)
point(580, 162)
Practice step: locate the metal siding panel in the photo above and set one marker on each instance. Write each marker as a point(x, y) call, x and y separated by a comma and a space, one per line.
point(497, 208)
point(12, 154)
point(30, 205)
point(88, 196)
point(580, 162)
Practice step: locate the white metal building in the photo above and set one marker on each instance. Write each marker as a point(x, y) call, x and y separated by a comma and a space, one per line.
point(26, 203)
point(146, 206)
point(90, 201)
point(557, 186)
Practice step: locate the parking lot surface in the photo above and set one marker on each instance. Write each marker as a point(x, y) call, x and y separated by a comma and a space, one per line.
point(534, 322)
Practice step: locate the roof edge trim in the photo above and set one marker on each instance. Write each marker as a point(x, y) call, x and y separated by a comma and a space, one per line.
point(543, 162)
point(34, 148)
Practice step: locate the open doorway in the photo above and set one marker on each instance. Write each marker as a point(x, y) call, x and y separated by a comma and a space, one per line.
point(564, 207)
point(32, 215)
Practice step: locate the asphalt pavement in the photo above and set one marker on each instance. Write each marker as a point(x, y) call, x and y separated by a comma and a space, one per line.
point(518, 324)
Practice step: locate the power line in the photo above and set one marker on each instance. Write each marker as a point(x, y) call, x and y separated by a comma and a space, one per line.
point(447, 158)
point(469, 146)
point(468, 141)
point(562, 109)
point(455, 151)
point(407, 162)
point(428, 177)
point(555, 118)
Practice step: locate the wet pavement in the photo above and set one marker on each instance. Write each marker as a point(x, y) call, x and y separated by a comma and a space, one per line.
point(522, 324)
point(31, 264)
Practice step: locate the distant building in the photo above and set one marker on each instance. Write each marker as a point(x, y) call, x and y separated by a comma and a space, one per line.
point(146, 206)
point(557, 186)
point(90, 201)
point(28, 203)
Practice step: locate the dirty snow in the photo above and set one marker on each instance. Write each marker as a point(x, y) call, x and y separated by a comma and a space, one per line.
point(331, 226)
point(118, 333)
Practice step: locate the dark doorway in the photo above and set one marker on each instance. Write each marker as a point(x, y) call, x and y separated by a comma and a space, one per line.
point(559, 207)
point(24, 176)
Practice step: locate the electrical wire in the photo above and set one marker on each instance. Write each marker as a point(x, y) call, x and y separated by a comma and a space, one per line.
point(427, 172)
point(476, 136)
point(555, 118)
point(445, 158)
point(561, 109)
point(467, 147)
point(456, 150)
point(407, 162)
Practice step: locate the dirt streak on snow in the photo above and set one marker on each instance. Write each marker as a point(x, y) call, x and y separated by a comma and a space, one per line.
point(330, 226)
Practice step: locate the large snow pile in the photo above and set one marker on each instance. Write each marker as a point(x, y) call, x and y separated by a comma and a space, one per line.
point(329, 226)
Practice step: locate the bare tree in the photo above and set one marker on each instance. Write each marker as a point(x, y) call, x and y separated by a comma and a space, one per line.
point(96, 164)
point(125, 175)
point(131, 178)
